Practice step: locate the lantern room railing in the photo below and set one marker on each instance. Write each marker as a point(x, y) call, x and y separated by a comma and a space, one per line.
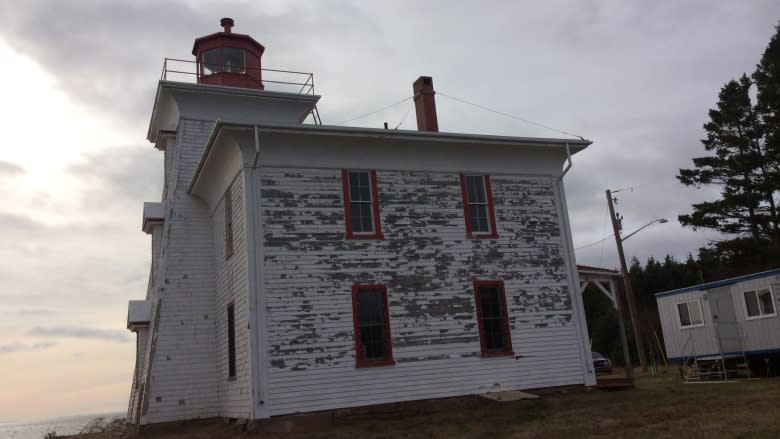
point(273, 80)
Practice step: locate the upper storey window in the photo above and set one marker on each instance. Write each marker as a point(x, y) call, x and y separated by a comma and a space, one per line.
point(223, 59)
point(361, 205)
point(478, 206)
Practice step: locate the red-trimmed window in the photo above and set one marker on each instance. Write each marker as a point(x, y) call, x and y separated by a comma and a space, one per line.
point(373, 344)
point(494, 335)
point(228, 223)
point(478, 206)
point(361, 205)
point(231, 333)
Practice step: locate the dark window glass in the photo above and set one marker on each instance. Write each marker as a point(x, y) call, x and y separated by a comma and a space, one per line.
point(690, 314)
point(685, 318)
point(228, 224)
point(475, 185)
point(751, 303)
point(477, 200)
point(372, 331)
point(479, 217)
point(493, 318)
point(765, 298)
point(211, 61)
point(227, 59)
point(233, 60)
point(493, 323)
point(231, 327)
point(372, 326)
point(361, 208)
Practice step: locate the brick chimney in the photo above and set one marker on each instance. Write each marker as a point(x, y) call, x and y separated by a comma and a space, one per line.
point(425, 104)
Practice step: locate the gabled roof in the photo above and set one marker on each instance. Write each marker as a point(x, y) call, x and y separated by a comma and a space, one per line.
point(720, 283)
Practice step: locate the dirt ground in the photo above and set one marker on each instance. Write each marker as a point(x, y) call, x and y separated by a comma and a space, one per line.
point(659, 406)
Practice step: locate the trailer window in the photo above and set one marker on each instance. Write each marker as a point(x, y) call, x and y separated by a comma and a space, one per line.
point(759, 303)
point(690, 314)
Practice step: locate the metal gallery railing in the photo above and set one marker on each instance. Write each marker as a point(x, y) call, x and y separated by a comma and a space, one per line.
point(273, 79)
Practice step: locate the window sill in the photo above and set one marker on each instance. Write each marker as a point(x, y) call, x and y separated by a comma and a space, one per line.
point(692, 326)
point(498, 354)
point(373, 236)
point(490, 236)
point(233, 378)
point(763, 316)
point(364, 364)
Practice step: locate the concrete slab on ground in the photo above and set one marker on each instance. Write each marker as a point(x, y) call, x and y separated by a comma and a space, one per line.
point(509, 395)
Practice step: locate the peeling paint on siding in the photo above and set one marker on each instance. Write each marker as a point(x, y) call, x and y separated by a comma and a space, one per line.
point(428, 266)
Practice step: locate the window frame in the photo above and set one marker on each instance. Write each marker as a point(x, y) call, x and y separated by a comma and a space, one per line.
point(350, 234)
point(760, 307)
point(508, 347)
point(229, 247)
point(231, 334)
point(701, 313)
point(470, 233)
point(360, 362)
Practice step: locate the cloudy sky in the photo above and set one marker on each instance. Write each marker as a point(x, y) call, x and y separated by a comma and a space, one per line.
point(77, 86)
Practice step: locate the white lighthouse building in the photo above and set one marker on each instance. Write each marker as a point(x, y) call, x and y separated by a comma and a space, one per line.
point(299, 267)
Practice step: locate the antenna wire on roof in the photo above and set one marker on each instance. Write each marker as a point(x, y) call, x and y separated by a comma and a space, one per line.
point(404, 118)
point(530, 122)
point(376, 111)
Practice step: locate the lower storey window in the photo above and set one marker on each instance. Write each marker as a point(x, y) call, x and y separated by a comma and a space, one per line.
point(759, 303)
point(373, 346)
point(494, 334)
point(690, 314)
point(231, 330)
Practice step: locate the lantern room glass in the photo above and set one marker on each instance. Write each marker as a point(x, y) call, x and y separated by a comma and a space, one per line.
point(223, 59)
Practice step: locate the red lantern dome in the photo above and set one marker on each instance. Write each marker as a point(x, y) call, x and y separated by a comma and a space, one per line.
point(229, 59)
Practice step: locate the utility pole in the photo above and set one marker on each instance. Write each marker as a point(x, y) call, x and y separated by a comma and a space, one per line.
point(640, 348)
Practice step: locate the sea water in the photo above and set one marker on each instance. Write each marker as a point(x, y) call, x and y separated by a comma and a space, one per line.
point(63, 425)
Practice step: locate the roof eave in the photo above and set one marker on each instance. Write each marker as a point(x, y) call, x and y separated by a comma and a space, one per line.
point(575, 145)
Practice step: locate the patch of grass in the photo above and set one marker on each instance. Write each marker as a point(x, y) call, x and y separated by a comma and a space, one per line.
point(659, 406)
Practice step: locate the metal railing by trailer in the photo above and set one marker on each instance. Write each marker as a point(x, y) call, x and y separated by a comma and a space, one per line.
point(696, 367)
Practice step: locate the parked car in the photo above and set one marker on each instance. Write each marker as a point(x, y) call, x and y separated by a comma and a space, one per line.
point(601, 363)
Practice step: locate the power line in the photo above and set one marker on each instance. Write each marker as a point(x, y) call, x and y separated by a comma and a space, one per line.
point(511, 116)
point(404, 118)
point(376, 111)
point(594, 243)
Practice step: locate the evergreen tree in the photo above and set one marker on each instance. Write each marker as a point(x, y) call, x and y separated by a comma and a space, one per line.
point(767, 79)
point(745, 142)
point(741, 165)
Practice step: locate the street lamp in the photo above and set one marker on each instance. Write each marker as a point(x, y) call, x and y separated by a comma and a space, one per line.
point(659, 221)
point(627, 281)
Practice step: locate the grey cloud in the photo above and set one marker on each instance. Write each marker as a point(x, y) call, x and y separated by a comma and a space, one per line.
point(635, 77)
point(8, 168)
point(121, 176)
point(111, 335)
point(19, 223)
point(109, 54)
point(21, 347)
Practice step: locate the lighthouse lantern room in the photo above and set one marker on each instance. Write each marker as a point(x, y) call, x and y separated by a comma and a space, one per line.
point(225, 58)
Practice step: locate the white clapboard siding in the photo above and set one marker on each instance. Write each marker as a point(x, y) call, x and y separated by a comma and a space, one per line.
point(234, 395)
point(181, 357)
point(428, 266)
point(683, 342)
point(760, 334)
